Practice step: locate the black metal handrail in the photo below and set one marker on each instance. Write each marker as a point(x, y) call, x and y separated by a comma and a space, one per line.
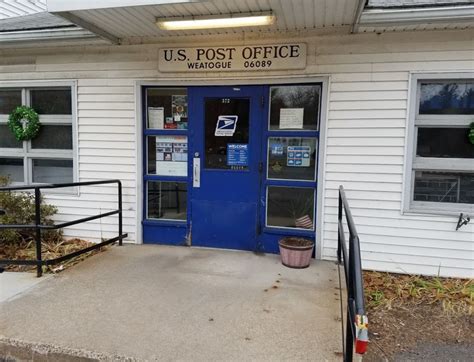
point(356, 319)
point(39, 262)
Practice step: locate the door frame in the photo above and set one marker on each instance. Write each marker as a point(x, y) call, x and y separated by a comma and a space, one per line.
point(201, 82)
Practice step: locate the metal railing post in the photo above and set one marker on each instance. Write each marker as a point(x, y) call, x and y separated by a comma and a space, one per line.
point(356, 334)
point(339, 219)
point(39, 267)
point(120, 225)
point(37, 226)
point(349, 338)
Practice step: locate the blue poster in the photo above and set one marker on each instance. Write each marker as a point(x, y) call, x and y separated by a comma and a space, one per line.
point(237, 154)
point(277, 149)
point(298, 156)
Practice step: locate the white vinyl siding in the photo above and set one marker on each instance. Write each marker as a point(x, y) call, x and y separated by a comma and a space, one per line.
point(365, 139)
point(368, 109)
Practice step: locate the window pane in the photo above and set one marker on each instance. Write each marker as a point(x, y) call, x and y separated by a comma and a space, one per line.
point(444, 142)
point(291, 207)
point(9, 100)
point(51, 101)
point(227, 126)
point(7, 139)
point(13, 168)
point(52, 171)
point(294, 107)
point(167, 200)
point(167, 108)
point(444, 187)
point(53, 137)
point(168, 155)
point(447, 98)
point(291, 158)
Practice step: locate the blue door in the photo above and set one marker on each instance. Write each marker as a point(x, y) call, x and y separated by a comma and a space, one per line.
point(226, 169)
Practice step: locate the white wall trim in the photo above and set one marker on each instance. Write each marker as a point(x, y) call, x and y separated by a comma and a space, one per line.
point(139, 163)
point(321, 179)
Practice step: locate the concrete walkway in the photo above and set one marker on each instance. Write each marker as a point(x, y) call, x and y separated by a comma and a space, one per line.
point(14, 284)
point(177, 303)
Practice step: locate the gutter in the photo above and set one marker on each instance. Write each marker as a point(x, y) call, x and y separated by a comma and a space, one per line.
point(391, 17)
point(45, 34)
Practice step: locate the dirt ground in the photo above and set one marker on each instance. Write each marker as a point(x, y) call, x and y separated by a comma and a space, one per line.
point(431, 324)
point(51, 250)
point(399, 332)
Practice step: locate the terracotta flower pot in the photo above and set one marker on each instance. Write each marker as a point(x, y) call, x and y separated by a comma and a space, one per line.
point(296, 252)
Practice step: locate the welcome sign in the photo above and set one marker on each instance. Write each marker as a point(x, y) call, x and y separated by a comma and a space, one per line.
point(233, 58)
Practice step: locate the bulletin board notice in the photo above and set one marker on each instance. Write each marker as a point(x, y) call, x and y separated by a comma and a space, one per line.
point(172, 156)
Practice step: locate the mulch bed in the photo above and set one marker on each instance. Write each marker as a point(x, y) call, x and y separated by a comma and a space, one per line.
point(50, 250)
point(406, 312)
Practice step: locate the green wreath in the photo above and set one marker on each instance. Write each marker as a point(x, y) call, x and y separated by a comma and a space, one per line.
point(32, 124)
point(471, 133)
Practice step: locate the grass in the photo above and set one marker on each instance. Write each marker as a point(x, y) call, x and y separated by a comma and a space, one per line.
point(386, 290)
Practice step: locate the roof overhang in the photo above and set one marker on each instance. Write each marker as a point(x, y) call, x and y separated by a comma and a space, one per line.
point(45, 34)
point(416, 18)
point(392, 17)
point(35, 29)
point(75, 5)
point(128, 21)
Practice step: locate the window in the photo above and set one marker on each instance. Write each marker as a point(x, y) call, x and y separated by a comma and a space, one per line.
point(166, 142)
point(166, 200)
point(292, 153)
point(441, 174)
point(49, 157)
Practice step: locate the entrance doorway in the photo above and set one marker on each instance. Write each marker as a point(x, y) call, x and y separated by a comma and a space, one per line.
point(227, 166)
point(230, 167)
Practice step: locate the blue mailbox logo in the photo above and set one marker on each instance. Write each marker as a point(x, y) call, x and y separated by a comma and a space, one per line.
point(226, 125)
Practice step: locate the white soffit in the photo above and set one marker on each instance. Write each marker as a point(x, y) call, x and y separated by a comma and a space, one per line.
point(139, 21)
point(11, 9)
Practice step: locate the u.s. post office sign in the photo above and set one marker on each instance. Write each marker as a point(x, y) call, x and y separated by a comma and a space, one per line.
point(233, 58)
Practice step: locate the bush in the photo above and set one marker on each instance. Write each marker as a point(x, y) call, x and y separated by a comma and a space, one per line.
point(20, 210)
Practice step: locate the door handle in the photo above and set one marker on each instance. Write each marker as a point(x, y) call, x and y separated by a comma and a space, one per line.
point(196, 172)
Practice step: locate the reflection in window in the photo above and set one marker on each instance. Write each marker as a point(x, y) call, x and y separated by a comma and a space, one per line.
point(167, 200)
point(167, 108)
point(447, 98)
point(168, 155)
point(51, 100)
point(9, 100)
point(444, 187)
point(444, 142)
point(7, 139)
point(53, 137)
point(291, 158)
point(52, 171)
point(12, 168)
point(288, 104)
point(291, 207)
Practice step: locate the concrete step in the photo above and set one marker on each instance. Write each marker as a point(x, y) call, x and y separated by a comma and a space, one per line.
point(16, 350)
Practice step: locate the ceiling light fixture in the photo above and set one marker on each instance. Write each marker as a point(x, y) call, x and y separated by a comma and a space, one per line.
point(217, 21)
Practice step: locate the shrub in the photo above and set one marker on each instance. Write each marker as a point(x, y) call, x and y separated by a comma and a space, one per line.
point(20, 210)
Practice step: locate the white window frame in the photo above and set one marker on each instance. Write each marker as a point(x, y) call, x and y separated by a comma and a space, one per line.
point(27, 152)
point(414, 163)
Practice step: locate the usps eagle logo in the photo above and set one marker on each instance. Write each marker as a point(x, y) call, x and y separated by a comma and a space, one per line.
point(226, 126)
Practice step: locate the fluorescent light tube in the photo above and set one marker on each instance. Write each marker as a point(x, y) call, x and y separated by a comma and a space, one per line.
point(225, 21)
